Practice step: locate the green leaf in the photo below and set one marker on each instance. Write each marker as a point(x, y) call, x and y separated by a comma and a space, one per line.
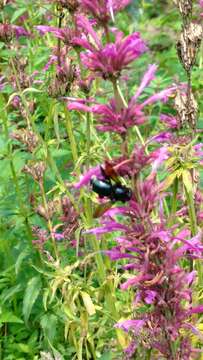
point(9, 293)
point(20, 259)
point(33, 90)
point(24, 348)
point(107, 356)
point(169, 181)
point(17, 14)
point(49, 325)
point(31, 293)
point(9, 317)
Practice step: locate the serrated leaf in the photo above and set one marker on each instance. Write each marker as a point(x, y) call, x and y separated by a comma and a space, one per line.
point(49, 325)
point(88, 303)
point(20, 259)
point(31, 293)
point(9, 293)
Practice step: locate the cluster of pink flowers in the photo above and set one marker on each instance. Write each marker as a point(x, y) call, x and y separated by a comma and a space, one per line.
point(154, 252)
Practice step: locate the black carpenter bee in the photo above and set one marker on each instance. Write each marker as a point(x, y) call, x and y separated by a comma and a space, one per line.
point(105, 188)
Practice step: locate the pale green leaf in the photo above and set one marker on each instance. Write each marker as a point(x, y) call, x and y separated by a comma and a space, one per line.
point(187, 180)
point(88, 303)
point(169, 181)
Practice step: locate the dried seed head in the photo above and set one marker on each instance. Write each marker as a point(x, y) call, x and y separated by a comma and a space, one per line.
point(188, 45)
point(70, 5)
point(187, 109)
point(6, 33)
point(184, 6)
point(27, 138)
point(41, 237)
point(52, 208)
point(70, 219)
point(85, 85)
point(64, 79)
point(36, 171)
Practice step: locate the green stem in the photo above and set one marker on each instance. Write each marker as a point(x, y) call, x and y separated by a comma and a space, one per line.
point(192, 212)
point(174, 201)
point(148, 354)
point(27, 111)
point(49, 223)
point(121, 103)
point(88, 137)
point(71, 136)
point(194, 230)
point(22, 207)
point(93, 240)
point(101, 267)
point(119, 98)
point(30, 122)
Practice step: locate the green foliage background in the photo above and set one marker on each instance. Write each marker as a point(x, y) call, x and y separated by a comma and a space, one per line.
point(36, 320)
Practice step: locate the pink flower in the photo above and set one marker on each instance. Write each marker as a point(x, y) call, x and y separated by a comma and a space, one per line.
point(134, 325)
point(85, 179)
point(108, 61)
point(103, 9)
point(169, 120)
point(67, 35)
point(119, 121)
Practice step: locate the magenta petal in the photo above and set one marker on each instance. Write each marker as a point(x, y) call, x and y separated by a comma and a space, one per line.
point(150, 296)
point(79, 107)
point(116, 211)
point(20, 31)
point(148, 77)
point(169, 120)
point(112, 226)
point(44, 29)
point(161, 96)
point(161, 137)
point(159, 156)
point(135, 325)
point(132, 282)
point(115, 254)
point(85, 179)
point(85, 24)
point(195, 310)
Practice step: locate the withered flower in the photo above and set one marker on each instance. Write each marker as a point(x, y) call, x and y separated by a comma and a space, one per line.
point(187, 109)
point(184, 6)
point(27, 138)
point(70, 5)
point(188, 45)
point(52, 208)
point(65, 76)
point(36, 170)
